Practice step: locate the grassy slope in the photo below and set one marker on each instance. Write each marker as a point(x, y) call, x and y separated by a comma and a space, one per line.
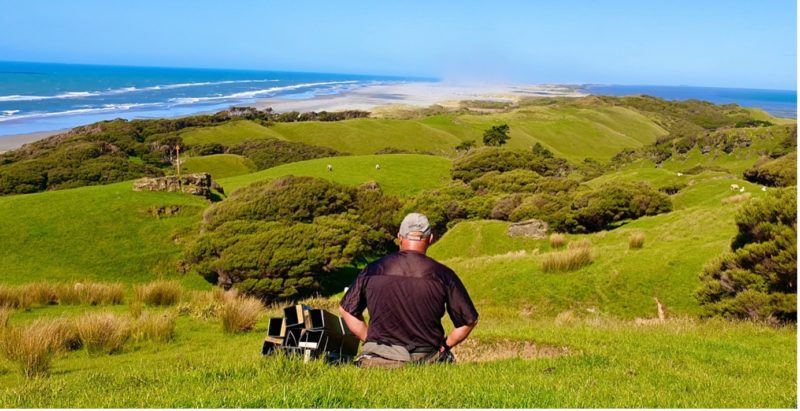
point(92, 233)
point(620, 282)
point(219, 165)
point(399, 173)
point(573, 133)
point(611, 363)
point(104, 233)
point(228, 134)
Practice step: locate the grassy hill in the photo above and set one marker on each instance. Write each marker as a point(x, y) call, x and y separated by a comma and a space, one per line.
point(398, 174)
point(583, 338)
point(219, 165)
point(573, 133)
point(101, 233)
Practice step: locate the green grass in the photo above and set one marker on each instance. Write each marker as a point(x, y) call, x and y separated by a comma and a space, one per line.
point(228, 134)
point(573, 133)
point(219, 165)
point(609, 363)
point(404, 174)
point(105, 233)
point(93, 233)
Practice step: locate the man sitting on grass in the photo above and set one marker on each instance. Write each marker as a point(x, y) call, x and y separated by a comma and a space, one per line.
point(407, 294)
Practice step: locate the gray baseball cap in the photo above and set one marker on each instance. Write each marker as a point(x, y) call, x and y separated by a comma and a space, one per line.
point(415, 223)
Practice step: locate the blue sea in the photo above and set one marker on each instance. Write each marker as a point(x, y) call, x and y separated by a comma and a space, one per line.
point(779, 103)
point(44, 97)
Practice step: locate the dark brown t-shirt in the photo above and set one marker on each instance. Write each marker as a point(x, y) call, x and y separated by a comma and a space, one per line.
point(407, 294)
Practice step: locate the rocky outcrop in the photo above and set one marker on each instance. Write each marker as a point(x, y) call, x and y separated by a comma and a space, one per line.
point(536, 229)
point(198, 184)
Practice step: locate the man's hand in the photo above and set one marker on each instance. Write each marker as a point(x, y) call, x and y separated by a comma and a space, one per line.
point(457, 336)
point(357, 326)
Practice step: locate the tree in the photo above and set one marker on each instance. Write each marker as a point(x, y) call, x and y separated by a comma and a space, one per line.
point(466, 145)
point(496, 135)
point(757, 278)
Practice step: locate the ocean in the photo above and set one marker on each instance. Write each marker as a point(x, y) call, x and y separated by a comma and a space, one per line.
point(38, 97)
point(779, 103)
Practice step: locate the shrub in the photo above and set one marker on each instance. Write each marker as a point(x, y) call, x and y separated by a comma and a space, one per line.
point(612, 203)
point(781, 172)
point(478, 162)
point(103, 332)
point(240, 314)
point(557, 240)
point(277, 240)
point(267, 153)
point(757, 278)
point(515, 181)
point(505, 206)
point(570, 259)
point(636, 240)
point(160, 292)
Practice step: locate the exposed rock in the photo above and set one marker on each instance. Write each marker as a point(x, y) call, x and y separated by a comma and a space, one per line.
point(371, 185)
point(198, 184)
point(215, 185)
point(160, 211)
point(536, 229)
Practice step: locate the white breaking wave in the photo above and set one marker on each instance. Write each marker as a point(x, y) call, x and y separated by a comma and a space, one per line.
point(107, 108)
point(9, 112)
point(254, 93)
point(80, 94)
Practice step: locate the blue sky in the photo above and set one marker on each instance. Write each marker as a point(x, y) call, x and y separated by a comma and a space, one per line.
point(669, 42)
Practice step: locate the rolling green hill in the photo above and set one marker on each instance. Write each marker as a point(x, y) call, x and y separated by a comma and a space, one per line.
point(100, 233)
point(573, 133)
point(219, 165)
point(398, 174)
point(582, 338)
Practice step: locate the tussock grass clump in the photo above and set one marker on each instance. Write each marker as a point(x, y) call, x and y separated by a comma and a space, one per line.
point(160, 292)
point(11, 297)
point(577, 255)
point(240, 314)
point(5, 314)
point(205, 305)
point(90, 293)
point(636, 240)
point(34, 346)
point(557, 240)
point(103, 332)
point(574, 245)
point(159, 327)
point(738, 198)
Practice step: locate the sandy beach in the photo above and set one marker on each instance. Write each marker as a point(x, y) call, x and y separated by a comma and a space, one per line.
point(17, 140)
point(420, 94)
point(377, 98)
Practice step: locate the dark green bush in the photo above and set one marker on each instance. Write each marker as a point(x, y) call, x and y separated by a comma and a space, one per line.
point(757, 279)
point(268, 153)
point(614, 202)
point(781, 172)
point(496, 135)
point(483, 160)
point(277, 239)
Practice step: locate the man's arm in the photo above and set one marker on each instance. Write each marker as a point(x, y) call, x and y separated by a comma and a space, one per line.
point(357, 326)
point(458, 335)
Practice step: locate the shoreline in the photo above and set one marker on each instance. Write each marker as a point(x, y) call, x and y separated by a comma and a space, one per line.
point(379, 97)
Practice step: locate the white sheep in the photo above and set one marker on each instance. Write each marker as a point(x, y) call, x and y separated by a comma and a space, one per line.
point(377, 166)
point(734, 187)
point(741, 190)
point(680, 174)
point(330, 167)
point(763, 188)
